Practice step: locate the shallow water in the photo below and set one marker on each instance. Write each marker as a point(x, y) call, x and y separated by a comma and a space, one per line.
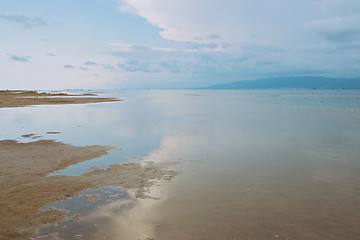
point(256, 164)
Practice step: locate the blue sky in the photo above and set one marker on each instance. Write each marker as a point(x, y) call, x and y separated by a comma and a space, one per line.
point(174, 43)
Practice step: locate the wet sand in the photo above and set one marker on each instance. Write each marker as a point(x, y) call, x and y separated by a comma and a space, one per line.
point(26, 98)
point(25, 189)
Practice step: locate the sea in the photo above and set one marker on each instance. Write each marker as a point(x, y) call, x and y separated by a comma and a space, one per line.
point(253, 164)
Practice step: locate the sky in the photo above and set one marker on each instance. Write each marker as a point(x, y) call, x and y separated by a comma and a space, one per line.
point(94, 44)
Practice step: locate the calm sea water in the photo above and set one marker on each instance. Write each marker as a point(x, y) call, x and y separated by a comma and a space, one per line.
point(256, 164)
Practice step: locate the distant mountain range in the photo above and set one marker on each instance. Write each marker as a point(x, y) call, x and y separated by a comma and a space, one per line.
point(292, 82)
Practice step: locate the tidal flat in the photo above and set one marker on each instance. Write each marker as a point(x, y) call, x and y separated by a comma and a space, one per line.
point(184, 164)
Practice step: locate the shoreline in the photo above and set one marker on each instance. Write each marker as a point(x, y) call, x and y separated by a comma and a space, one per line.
point(22, 98)
point(25, 188)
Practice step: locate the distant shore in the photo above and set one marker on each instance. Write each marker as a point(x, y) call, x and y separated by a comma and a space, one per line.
point(21, 98)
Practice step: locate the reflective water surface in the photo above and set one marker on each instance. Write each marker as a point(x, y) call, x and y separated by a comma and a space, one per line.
point(255, 164)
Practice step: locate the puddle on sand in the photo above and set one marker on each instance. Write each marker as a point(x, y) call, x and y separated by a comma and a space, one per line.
point(103, 162)
point(81, 224)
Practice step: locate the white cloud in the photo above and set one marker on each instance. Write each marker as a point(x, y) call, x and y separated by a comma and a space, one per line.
point(338, 29)
point(247, 39)
point(184, 20)
point(245, 21)
point(236, 21)
point(122, 47)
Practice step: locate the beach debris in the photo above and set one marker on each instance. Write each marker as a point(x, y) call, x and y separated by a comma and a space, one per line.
point(31, 135)
point(52, 132)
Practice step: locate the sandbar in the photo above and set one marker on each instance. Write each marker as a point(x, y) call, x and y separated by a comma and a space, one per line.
point(21, 98)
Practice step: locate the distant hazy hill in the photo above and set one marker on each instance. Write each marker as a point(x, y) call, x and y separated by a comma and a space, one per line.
point(292, 82)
